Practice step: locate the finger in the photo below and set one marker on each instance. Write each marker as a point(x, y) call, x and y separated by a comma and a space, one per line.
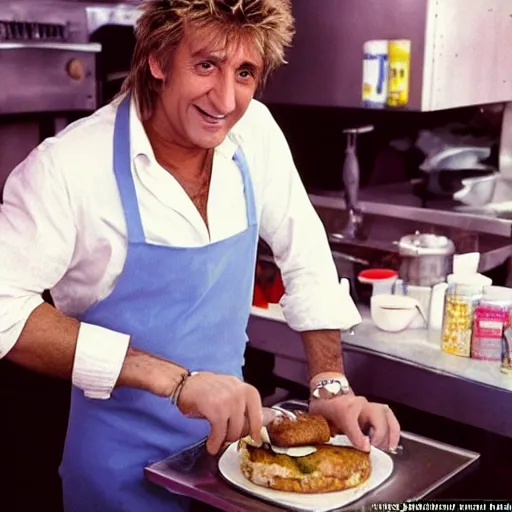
point(393, 429)
point(378, 421)
point(254, 413)
point(267, 415)
point(219, 426)
point(236, 421)
point(350, 425)
point(334, 429)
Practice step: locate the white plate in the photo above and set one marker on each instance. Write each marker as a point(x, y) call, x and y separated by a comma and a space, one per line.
point(382, 467)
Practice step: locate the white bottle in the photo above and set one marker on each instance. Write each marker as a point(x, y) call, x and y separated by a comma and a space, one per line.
point(375, 74)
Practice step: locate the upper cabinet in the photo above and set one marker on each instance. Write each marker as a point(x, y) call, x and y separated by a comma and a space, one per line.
point(460, 52)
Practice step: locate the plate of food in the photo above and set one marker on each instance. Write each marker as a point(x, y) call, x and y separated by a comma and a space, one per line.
point(299, 466)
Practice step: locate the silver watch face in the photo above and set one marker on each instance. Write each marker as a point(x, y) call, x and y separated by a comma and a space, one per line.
point(330, 388)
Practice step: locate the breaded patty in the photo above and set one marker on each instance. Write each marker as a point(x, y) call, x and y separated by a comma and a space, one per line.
point(330, 468)
point(307, 429)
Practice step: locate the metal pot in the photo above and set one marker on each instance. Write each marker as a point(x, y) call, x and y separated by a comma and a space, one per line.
point(426, 259)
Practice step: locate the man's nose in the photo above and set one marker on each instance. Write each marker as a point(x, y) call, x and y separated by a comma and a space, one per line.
point(223, 95)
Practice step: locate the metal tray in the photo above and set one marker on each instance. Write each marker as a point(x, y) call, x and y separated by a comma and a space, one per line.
point(421, 470)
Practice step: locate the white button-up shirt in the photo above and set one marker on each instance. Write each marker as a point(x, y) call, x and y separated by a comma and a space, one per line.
point(62, 228)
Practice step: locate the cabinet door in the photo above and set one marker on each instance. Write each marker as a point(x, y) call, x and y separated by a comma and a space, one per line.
point(467, 57)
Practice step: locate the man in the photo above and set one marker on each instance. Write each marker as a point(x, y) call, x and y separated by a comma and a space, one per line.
point(143, 221)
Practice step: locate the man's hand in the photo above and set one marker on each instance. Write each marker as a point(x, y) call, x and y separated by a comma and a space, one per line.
point(349, 414)
point(231, 406)
point(353, 415)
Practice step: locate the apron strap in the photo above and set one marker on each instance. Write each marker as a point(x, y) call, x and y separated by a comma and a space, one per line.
point(123, 173)
point(240, 160)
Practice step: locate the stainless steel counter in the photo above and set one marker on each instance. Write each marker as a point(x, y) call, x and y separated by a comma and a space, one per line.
point(407, 368)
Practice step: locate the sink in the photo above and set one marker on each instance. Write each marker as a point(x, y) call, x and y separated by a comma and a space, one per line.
point(384, 231)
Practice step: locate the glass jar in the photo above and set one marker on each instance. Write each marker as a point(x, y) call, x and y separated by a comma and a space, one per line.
point(491, 318)
point(501, 295)
point(460, 304)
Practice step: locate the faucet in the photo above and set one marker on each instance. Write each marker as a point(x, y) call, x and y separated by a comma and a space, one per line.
point(354, 228)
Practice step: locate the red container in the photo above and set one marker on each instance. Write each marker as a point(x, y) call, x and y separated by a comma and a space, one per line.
point(377, 274)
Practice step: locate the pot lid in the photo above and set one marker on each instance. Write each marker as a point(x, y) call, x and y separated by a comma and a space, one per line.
point(422, 244)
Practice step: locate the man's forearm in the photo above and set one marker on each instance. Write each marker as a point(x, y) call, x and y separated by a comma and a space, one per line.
point(323, 351)
point(47, 345)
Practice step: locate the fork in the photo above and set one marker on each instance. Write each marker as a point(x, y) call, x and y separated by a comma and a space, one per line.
point(285, 412)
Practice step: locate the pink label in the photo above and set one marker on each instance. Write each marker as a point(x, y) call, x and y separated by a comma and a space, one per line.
point(488, 329)
point(487, 332)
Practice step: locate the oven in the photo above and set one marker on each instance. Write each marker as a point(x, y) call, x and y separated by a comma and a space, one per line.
point(59, 61)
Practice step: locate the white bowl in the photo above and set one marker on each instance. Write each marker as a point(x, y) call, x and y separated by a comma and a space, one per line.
point(477, 191)
point(393, 313)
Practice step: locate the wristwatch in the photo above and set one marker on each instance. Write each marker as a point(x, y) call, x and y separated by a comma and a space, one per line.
point(331, 388)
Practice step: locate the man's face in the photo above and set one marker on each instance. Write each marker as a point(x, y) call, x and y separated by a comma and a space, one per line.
point(208, 89)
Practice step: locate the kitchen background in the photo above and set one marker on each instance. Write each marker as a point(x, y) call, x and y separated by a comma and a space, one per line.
point(317, 141)
point(43, 89)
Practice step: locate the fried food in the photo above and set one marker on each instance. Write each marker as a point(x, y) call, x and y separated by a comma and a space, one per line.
point(307, 429)
point(330, 468)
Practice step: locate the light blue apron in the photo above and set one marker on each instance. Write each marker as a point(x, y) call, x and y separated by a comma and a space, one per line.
point(188, 305)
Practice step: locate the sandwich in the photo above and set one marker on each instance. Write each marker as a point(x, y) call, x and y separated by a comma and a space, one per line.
point(294, 456)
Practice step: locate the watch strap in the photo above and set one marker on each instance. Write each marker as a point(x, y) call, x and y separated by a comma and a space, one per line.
point(330, 388)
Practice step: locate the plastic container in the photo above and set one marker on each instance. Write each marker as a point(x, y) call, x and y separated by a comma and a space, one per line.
point(399, 55)
point(372, 275)
point(462, 297)
point(490, 320)
point(375, 74)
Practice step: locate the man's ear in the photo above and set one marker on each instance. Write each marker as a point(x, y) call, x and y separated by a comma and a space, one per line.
point(155, 68)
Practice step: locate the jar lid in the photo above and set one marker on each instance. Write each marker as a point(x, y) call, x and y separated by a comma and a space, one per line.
point(475, 280)
point(498, 294)
point(495, 303)
point(421, 244)
point(466, 290)
point(468, 285)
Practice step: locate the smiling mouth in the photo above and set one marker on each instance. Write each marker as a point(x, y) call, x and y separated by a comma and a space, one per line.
point(210, 118)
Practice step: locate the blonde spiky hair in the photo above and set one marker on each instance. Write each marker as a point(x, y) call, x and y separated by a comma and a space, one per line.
point(161, 28)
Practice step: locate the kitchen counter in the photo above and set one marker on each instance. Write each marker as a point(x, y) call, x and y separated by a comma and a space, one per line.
point(407, 368)
point(416, 347)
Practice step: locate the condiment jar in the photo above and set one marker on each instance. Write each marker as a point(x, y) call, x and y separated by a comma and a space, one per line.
point(491, 317)
point(496, 304)
point(462, 297)
point(399, 55)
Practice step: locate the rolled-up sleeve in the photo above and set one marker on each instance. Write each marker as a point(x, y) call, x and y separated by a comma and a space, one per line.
point(37, 243)
point(313, 298)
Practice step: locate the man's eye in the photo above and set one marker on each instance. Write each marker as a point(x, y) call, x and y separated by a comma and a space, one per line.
point(244, 73)
point(205, 66)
